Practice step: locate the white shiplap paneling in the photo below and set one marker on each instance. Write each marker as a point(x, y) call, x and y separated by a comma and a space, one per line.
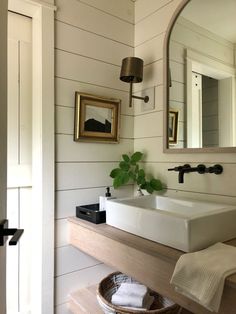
point(61, 233)
point(65, 93)
point(69, 199)
point(79, 279)
point(155, 24)
point(83, 69)
point(142, 10)
point(151, 50)
point(123, 9)
point(223, 184)
point(70, 259)
point(95, 21)
point(83, 175)
point(70, 151)
point(146, 125)
point(90, 44)
point(91, 39)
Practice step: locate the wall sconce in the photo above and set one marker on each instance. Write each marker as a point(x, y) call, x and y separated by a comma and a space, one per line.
point(132, 72)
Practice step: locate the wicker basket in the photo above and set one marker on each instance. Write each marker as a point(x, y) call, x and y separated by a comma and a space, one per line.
point(109, 285)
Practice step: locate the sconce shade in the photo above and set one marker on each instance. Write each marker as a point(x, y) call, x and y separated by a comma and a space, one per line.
point(132, 70)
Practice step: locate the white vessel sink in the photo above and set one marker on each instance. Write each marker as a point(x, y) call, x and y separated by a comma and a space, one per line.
point(184, 224)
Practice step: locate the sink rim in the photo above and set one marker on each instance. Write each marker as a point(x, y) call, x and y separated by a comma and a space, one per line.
point(224, 208)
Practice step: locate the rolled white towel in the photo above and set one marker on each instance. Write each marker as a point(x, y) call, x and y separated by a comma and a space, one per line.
point(131, 295)
point(132, 288)
point(145, 307)
point(127, 300)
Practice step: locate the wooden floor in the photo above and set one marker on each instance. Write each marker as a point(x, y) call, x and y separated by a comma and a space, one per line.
point(84, 301)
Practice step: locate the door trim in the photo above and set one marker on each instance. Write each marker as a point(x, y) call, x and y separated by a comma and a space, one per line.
point(43, 190)
point(3, 144)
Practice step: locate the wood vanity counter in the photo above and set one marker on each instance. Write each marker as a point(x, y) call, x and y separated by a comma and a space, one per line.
point(149, 262)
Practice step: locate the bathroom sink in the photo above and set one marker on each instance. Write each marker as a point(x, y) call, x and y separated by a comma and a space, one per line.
point(185, 224)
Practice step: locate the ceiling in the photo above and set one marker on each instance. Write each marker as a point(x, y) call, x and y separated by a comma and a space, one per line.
point(217, 16)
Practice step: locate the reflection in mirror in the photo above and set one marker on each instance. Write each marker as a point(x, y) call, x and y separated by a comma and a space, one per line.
point(201, 70)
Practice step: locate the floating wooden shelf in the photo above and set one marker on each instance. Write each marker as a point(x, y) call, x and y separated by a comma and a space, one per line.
point(84, 301)
point(149, 262)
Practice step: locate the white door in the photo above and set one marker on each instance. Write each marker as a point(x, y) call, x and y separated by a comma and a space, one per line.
point(3, 144)
point(194, 121)
point(19, 159)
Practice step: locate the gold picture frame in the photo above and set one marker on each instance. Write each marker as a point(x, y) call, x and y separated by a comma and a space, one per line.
point(173, 126)
point(96, 118)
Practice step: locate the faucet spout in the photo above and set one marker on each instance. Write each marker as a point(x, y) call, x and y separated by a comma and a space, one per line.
point(181, 176)
point(187, 169)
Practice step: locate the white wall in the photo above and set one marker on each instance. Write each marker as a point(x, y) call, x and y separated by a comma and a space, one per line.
point(150, 26)
point(92, 37)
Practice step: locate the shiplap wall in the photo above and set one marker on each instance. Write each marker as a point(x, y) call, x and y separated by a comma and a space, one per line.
point(150, 26)
point(91, 38)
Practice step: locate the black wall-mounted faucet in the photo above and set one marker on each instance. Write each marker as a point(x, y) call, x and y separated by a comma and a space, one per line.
point(201, 169)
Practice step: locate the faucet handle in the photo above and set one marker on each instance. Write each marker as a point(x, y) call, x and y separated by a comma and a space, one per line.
point(186, 166)
point(175, 168)
point(179, 168)
point(216, 169)
point(201, 169)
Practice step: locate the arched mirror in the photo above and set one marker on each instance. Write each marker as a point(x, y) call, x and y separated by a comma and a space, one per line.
point(200, 82)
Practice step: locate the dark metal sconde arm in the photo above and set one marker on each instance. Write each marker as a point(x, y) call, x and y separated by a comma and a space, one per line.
point(145, 98)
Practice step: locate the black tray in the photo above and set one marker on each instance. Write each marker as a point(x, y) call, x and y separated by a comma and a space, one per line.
point(91, 213)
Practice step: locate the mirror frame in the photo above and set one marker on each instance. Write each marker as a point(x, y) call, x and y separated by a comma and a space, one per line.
point(166, 78)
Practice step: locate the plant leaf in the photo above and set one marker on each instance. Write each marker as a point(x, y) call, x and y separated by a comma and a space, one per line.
point(126, 158)
point(141, 173)
point(125, 177)
point(124, 165)
point(137, 156)
point(117, 182)
point(149, 188)
point(143, 186)
point(115, 172)
point(136, 168)
point(132, 175)
point(156, 184)
point(141, 180)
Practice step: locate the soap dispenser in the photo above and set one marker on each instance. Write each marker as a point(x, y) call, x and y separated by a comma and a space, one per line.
point(102, 199)
point(108, 193)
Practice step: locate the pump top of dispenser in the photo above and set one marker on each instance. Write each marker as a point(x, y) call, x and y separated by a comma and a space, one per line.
point(108, 193)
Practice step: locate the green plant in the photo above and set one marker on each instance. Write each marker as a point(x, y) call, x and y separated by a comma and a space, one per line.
point(129, 169)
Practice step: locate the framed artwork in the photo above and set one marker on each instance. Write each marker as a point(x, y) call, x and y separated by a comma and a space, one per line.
point(173, 126)
point(96, 119)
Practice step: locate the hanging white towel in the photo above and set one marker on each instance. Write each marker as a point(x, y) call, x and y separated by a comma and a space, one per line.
point(201, 275)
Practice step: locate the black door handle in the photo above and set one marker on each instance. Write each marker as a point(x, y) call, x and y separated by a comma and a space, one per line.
point(5, 232)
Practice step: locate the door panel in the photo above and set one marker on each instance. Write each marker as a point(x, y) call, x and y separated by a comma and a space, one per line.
point(19, 203)
point(12, 253)
point(3, 144)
